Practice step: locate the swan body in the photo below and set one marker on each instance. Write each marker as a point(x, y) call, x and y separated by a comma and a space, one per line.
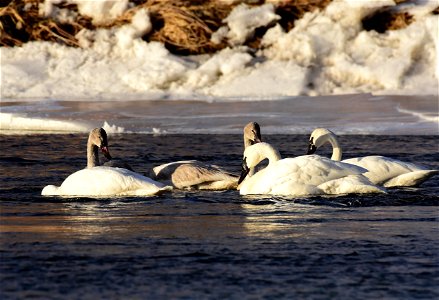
point(106, 181)
point(193, 174)
point(96, 180)
point(381, 170)
point(301, 176)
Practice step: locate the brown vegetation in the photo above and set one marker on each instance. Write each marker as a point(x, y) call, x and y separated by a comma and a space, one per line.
point(184, 26)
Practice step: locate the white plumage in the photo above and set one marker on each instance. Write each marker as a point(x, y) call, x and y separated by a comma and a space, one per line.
point(301, 176)
point(98, 180)
point(106, 181)
point(381, 170)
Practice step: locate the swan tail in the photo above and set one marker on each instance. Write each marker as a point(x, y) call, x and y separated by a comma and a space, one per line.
point(411, 179)
point(50, 190)
point(166, 188)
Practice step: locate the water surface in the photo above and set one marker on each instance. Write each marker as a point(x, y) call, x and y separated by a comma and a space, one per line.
point(198, 245)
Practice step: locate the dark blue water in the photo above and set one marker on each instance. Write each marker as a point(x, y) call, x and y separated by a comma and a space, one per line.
point(212, 245)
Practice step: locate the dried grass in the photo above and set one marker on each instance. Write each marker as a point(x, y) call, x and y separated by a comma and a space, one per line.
point(184, 26)
point(20, 22)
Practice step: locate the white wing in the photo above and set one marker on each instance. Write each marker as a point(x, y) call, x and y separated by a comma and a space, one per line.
point(391, 172)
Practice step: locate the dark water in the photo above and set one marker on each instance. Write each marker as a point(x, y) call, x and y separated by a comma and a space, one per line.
point(215, 245)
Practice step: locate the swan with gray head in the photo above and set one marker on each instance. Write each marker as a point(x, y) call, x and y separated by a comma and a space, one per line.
point(193, 174)
point(96, 180)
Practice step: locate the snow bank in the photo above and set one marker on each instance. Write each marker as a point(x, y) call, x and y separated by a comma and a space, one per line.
point(327, 52)
point(242, 22)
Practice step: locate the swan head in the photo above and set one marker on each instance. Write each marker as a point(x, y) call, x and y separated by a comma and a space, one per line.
point(254, 154)
point(318, 138)
point(252, 133)
point(98, 137)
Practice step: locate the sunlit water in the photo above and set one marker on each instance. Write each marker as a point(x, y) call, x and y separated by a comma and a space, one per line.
point(198, 245)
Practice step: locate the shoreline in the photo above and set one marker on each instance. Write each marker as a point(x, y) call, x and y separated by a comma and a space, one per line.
point(346, 114)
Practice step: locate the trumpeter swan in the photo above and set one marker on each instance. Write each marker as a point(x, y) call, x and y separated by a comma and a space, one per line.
point(382, 170)
point(300, 176)
point(96, 180)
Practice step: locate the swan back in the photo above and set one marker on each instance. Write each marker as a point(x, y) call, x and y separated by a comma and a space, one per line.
point(195, 174)
point(106, 181)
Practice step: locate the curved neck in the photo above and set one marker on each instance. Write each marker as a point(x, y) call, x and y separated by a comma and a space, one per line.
point(92, 155)
point(266, 151)
point(247, 143)
point(336, 149)
point(273, 156)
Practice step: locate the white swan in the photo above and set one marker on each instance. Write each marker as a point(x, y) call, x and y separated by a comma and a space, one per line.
point(382, 170)
point(193, 174)
point(300, 176)
point(98, 180)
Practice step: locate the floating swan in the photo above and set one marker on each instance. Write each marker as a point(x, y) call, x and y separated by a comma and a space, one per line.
point(98, 180)
point(384, 171)
point(193, 174)
point(96, 137)
point(300, 176)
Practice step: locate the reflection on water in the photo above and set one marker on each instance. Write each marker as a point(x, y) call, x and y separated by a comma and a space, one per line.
point(199, 245)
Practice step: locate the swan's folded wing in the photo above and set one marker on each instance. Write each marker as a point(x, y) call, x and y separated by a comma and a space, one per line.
point(411, 179)
point(352, 184)
point(383, 169)
point(165, 171)
point(187, 175)
point(315, 169)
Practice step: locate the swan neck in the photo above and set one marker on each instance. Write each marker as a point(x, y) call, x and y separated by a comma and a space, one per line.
point(336, 149)
point(247, 142)
point(336, 154)
point(92, 155)
point(273, 156)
